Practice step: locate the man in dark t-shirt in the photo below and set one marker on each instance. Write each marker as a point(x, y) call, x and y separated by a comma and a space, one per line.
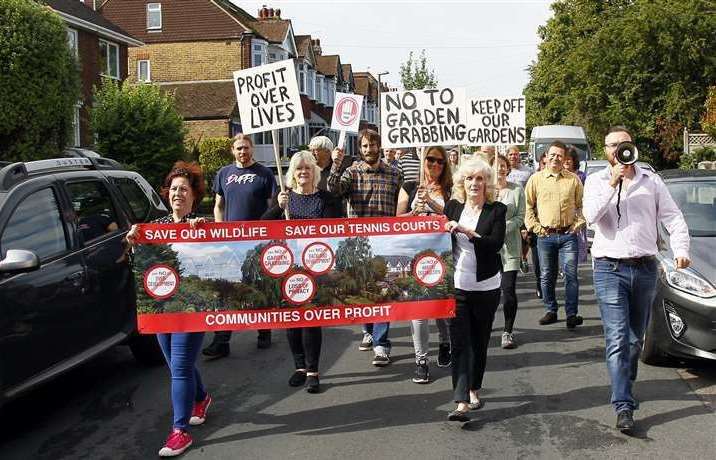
point(243, 191)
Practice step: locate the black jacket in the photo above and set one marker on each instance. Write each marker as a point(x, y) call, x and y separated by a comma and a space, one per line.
point(491, 228)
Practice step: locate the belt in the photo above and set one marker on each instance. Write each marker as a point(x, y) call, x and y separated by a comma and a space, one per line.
point(550, 230)
point(629, 260)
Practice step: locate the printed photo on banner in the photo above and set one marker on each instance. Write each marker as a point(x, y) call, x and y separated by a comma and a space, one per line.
point(268, 97)
point(281, 274)
point(423, 117)
point(496, 121)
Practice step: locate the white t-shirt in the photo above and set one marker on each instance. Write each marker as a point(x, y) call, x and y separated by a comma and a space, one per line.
point(466, 260)
point(520, 176)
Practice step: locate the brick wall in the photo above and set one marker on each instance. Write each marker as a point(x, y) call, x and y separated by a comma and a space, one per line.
point(187, 61)
point(205, 128)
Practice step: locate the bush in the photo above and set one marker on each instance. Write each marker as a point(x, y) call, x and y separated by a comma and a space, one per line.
point(214, 153)
point(39, 82)
point(138, 125)
point(691, 160)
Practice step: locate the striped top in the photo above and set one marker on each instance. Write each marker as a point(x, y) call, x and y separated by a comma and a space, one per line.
point(370, 192)
point(409, 166)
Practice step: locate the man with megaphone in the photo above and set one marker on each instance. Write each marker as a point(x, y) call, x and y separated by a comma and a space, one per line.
point(625, 204)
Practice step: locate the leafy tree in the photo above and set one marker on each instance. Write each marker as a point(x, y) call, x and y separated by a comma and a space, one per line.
point(415, 74)
point(39, 82)
point(253, 276)
point(138, 125)
point(353, 256)
point(646, 65)
point(214, 153)
point(708, 122)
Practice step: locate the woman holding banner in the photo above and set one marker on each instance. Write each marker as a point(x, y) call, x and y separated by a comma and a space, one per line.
point(477, 224)
point(428, 198)
point(304, 200)
point(183, 188)
point(513, 197)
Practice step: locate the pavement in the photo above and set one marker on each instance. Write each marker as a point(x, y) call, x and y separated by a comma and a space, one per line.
point(548, 398)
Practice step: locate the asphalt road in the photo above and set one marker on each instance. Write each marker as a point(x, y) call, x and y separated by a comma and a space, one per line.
point(549, 398)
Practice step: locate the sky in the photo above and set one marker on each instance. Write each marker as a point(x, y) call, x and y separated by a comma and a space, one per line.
point(483, 46)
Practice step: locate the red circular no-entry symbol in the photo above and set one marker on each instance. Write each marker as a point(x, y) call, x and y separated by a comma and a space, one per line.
point(429, 270)
point(161, 281)
point(318, 258)
point(298, 288)
point(347, 111)
point(276, 260)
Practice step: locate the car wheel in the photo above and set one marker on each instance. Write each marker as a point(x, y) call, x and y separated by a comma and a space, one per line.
point(651, 353)
point(145, 349)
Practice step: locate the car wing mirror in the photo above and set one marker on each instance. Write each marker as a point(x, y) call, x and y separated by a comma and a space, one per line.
point(19, 261)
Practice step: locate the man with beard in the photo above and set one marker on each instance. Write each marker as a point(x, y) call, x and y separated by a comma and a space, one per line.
point(371, 188)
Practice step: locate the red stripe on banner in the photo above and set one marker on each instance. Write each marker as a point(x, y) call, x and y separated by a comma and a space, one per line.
point(294, 229)
point(281, 318)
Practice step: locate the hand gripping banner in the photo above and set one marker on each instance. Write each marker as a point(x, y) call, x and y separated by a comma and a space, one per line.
point(296, 273)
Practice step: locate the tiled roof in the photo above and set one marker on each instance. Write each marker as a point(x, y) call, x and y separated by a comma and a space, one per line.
point(303, 45)
point(327, 65)
point(84, 12)
point(274, 30)
point(204, 100)
point(347, 69)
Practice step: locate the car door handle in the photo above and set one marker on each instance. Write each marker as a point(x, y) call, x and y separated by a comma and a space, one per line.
point(77, 280)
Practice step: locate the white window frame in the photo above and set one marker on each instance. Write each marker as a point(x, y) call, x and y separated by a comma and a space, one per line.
point(311, 84)
point(75, 39)
point(149, 71)
point(76, 141)
point(302, 80)
point(319, 87)
point(259, 54)
point(154, 8)
point(106, 59)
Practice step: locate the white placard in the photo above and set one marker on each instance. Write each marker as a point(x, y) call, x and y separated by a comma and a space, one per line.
point(423, 117)
point(268, 97)
point(496, 121)
point(346, 112)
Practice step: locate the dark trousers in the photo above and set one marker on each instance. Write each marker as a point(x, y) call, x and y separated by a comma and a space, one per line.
point(225, 336)
point(470, 336)
point(535, 261)
point(509, 298)
point(305, 345)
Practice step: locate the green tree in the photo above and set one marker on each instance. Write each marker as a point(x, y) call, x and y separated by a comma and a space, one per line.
point(353, 256)
point(646, 65)
point(415, 74)
point(39, 82)
point(214, 153)
point(252, 275)
point(708, 121)
point(139, 126)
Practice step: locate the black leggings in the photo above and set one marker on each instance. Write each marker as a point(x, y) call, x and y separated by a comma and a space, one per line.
point(535, 261)
point(305, 345)
point(509, 298)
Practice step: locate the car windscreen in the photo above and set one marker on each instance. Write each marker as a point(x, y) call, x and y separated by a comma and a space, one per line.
point(697, 201)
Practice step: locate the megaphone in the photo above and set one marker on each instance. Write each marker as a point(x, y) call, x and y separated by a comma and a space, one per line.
point(626, 153)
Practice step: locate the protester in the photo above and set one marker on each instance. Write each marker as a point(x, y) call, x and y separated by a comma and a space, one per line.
point(243, 190)
point(477, 224)
point(571, 164)
point(554, 214)
point(389, 157)
point(409, 164)
point(371, 188)
point(625, 269)
point(304, 200)
point(519, 173)
point(512, 196)
point(532, 241)
point(183, 188)
point(322, 147)
point(429, 198)
point(454, 157)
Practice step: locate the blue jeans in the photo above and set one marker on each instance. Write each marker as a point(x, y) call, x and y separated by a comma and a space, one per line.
point(551, 249)
point(180, 351)
point(379, 332)
point(625, 294)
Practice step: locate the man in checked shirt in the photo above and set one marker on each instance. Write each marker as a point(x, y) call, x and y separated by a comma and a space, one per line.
point(371, 188)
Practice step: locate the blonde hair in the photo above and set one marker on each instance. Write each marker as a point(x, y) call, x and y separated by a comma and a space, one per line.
point(304, 156)
point(468, 168)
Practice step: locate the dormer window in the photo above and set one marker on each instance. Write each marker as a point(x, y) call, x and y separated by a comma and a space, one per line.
point(154, 16)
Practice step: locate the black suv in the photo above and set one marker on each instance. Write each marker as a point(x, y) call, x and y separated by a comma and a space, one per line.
point(66, 284)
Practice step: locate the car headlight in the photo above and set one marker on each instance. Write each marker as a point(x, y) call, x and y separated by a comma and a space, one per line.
point(687, 280)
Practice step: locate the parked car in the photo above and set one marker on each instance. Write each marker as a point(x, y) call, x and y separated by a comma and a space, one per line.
point(67, 290)
point(683, 317)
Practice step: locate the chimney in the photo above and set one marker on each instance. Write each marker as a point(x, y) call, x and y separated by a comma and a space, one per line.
point(263, 12)
point(278, 13)
point(317, 47)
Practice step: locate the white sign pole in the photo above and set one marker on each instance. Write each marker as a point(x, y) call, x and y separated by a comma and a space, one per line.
point(341, 140)
point(277, 157)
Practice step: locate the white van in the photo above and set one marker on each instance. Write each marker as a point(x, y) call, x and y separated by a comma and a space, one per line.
point(542, 136)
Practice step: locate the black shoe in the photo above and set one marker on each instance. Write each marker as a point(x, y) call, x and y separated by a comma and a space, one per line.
point(312, 384)
point(625, 421)
point(538, 293)
point(297, 379)
point(549, 318)
point(444, 355)
point(574, 321)
point(458, 416)
point(422, 373)
point(263, 341)
point(381, 360)
point(216, 350)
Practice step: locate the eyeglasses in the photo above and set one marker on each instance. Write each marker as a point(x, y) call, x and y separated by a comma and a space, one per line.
point(612, 145)
point(431, 160)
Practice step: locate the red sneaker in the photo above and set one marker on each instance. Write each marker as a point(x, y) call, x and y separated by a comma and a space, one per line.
point(198, 414)
point(177, 442)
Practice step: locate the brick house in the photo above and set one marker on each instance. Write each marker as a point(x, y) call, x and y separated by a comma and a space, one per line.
point(367, 86)
point(100, 47)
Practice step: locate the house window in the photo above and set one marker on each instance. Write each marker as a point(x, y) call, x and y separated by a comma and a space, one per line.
point(272, 57)
point(144, 71)
point(72, 42)
point(258, 54)
point(76, 125)
point(311, 83)
point(154, 16)
point(109, 59)
point(302, 78)
point(319, 88)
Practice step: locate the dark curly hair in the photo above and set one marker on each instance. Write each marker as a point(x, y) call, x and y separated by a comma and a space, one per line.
point(192, 171)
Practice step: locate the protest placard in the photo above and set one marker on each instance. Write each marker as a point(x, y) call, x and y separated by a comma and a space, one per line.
point(281, 274)
point(346, 115)
point(423, 117)
point(496, 121)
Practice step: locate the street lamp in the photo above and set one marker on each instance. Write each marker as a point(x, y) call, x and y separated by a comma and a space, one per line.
point(380, 88)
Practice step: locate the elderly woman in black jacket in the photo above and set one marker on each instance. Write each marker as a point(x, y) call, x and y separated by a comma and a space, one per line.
point(477, 224)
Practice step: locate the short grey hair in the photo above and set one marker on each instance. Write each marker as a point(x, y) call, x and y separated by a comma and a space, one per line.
point(322, 143)
point(304, 156)
point(468, 168)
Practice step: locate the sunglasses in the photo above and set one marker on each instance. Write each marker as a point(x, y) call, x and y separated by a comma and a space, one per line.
point(431, 160)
